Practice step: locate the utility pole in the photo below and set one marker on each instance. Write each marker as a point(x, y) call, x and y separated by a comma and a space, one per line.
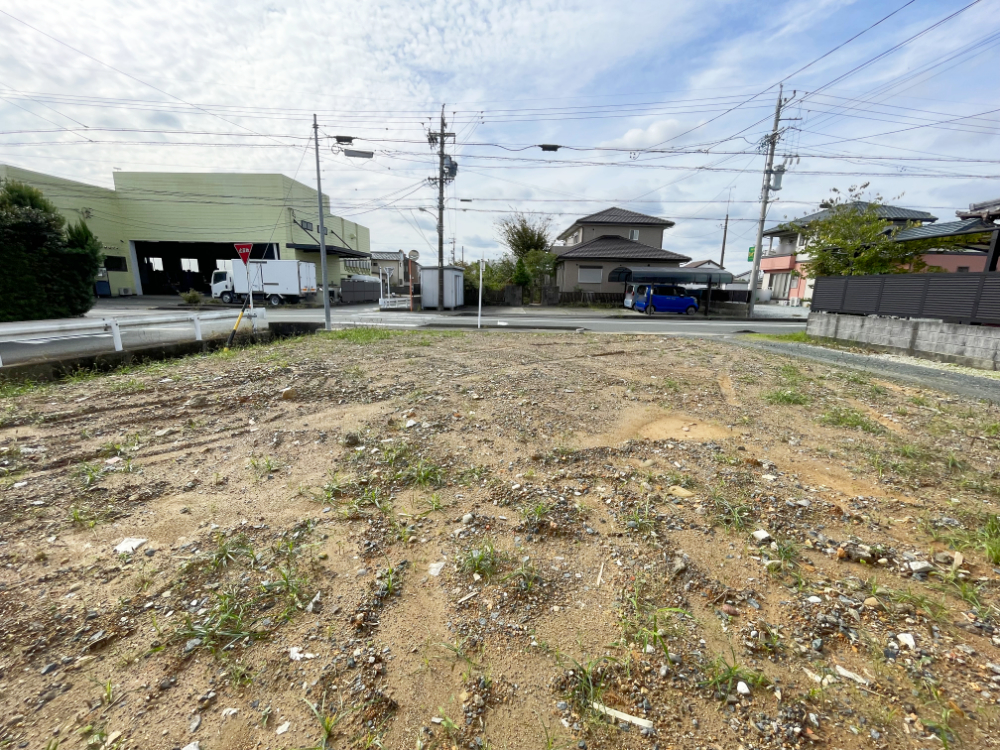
point(765, 194)
point(725, 230)
point(322, 230)
point(442, 177)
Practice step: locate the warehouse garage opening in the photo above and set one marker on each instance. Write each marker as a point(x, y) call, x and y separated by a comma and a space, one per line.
point(176, 267)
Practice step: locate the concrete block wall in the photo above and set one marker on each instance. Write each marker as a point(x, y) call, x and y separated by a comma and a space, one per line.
point(973, 346)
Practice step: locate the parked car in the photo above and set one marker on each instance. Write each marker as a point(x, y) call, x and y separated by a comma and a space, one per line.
point(665, 298)
point(633, 292)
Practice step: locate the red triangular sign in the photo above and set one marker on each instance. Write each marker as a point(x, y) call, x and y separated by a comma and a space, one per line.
point(244, 248)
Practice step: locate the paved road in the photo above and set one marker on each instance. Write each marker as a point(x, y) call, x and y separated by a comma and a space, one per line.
point(53, 346)
point(658, 324)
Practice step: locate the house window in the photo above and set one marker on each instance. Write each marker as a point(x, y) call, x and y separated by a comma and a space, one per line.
point(795, 282)
point(963, 269)
point(115, 263)
point(156, 264)
point(307, 225)
point(590, 274)
point(633, 234)
point(189, 264)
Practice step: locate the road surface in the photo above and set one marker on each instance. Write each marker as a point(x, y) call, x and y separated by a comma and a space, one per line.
point(53, 346)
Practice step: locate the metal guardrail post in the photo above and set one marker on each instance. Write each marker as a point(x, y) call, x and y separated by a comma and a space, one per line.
point(116, 333)
point(197, 327)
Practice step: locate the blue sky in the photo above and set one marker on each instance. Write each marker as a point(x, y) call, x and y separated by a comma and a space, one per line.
point(232, 87)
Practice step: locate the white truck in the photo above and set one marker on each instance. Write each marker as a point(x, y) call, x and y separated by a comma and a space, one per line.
point(273, 281)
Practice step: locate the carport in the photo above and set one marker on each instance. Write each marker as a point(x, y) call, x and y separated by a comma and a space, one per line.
point(683, 276)
point(175, 267)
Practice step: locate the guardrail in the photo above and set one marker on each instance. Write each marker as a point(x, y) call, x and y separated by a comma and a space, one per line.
point(12, 332)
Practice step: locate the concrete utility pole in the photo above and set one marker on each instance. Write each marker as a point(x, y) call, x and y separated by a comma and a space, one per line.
point(765, 194)
point(725, 231)
point(322, 230)
point(442, 178)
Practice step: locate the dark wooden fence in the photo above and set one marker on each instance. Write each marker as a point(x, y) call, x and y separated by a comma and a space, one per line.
point(951, 297)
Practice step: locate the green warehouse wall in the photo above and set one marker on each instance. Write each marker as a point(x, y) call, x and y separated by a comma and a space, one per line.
point(195, 207)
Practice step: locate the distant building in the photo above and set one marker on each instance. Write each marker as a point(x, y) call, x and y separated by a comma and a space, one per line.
point(598, 244)
point(166, 232)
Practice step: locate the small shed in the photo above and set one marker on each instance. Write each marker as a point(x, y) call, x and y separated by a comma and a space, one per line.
point(454, 287)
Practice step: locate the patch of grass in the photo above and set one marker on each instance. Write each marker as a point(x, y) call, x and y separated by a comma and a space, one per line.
point(90, 474)
point(787, 396)
point(425, 474)
point(227, 551)
point(954, 463)
point(328, 722)
point(363, 334)
point(485, 560)
point(229, 621)
point(15, 388)
point(262, 466)
point(844, 416)
point(798, 337)
point(587, 684)
point(127, 387)
point(536, 512)
point(734, 516)
point(642, 518)
point(933, 608)
point(722, 676)
point(526, 575)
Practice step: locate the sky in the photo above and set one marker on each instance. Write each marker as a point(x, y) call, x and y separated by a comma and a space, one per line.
point(658, 107)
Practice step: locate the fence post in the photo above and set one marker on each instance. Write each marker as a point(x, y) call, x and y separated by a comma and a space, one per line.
point(878, 298)
point(979, 295)
point(843, 293)
point(923, 297)
point(197, 327)
point(116, 333)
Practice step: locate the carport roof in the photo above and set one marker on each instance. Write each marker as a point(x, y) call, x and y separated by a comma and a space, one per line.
point(642, 275)
point(342, 252)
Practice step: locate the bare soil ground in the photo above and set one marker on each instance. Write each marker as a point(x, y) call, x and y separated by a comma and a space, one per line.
point(420, 540)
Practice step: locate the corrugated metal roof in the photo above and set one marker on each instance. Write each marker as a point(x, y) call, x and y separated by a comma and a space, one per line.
point(948, 229)
point(618, 248)
point(615, 215)
point(387, 256)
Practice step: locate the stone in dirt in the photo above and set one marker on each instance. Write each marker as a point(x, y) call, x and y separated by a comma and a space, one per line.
point(192, 746)
point(289, 394)
point(676, 491)
point(742, 688)
point(195, 722)
point(297, 654)
point(851, 675)
point(435, 568)
point(907, 640)
point(921, 566)
point(129, 545)
point(761, 537)
point(283, 728)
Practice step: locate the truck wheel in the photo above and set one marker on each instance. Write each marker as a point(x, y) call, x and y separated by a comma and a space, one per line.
point(226, 298)
point(274, 300)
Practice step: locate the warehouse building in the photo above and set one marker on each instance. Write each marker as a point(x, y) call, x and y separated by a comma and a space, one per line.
point(166, 232)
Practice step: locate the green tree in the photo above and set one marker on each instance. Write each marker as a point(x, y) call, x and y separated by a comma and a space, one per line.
point(521, 276)
point(853, 240)
point(46, 274)
point(539, 264)
point(521, 234)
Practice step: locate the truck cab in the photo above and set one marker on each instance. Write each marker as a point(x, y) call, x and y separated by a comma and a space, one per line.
point(222, 286)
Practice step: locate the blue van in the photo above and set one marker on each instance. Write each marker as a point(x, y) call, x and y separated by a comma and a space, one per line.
point(665, 298)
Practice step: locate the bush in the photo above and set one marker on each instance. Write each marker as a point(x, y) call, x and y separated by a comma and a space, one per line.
point(48, 273)
point(191, 297)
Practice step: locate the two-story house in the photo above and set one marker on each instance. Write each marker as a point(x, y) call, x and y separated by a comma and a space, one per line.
point(596, 245)
point(782, 260)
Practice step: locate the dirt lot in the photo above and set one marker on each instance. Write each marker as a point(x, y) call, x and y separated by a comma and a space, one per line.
point(420, 540)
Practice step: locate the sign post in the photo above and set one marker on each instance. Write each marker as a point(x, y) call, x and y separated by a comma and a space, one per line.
point(750, 253)
point(412, 256)
point(243, 249)
point(482, 268)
